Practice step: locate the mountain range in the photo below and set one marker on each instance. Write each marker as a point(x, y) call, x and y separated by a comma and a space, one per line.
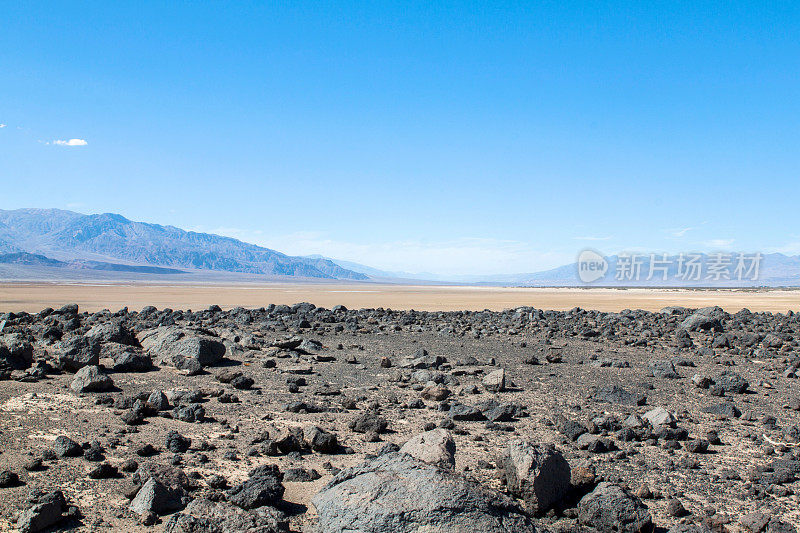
point(109, 238)
point(59, 244)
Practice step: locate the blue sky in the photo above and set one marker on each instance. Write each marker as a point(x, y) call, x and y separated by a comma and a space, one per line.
point(457, 138)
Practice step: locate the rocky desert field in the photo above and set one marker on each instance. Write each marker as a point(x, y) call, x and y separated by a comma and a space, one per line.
point(304, 418)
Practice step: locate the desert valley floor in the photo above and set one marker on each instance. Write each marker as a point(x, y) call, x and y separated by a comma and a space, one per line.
point(35, 296)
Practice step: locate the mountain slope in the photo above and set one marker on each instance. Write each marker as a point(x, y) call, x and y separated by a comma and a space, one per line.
point(66, 235)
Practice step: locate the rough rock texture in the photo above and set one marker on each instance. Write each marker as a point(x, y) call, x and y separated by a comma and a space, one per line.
point(609, 508)
point(397, 493)
point(536, 473)
point(77, 352)
point(45, 512)
point(205, 516)
point(320, 440)
point(15, 352)
point(263, 488)
point(182, 348)
point(435, 447)
point(495, 381)
point(112, 332)
point(707, 318)
point(91, 379)
point(156, 497)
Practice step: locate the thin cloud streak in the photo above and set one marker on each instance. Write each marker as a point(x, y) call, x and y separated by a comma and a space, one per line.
point(589, 238)
point(680, 232)
point(719, 243)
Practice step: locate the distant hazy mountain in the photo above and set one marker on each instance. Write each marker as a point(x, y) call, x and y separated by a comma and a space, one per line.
point(377, 273)
point(113, 239)
point(36, 260)
point(775, 270)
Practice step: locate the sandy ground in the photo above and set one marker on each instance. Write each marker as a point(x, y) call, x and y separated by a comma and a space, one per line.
point(33, 297)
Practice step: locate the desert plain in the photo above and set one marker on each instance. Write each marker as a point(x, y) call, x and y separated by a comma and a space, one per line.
point(33, 297)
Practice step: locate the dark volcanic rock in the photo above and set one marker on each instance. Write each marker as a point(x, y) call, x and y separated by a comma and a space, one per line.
point(758, 522)
point(397, 493)
point(663, 369)
point(320, 440)
point(617, 394)
point(66, 447)
point(731, 382)
point(205, 516)
point(300, 475)
point(15, 352)
point(103, 471)
point(46, 511)
point(460, 411)
point(177, 443)
point(707, 318)
point(182, 348)
point(263, 488)
point(77, 352)
point(112, 332)
point(128, 359)
point(569, 428)
point(536, 473)
point(724, 409)
point(91, 379)
point(8, 479)
point(368, 422)
point(156, 497)
point(609, 508)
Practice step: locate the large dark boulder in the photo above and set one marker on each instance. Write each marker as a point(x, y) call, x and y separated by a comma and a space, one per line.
point(171, 476)
point(74, 353)
point(730, 382)
point(15, 352)
point(368, 421)
point(617, 394)
point(263, 488)
point(156, 497)
point(66, 447)
point(395, 492)
point(611, 509)
point(128, 359)
point(706, 319)
point(206, 516)
point(182, 348)
point(45, 511)
point(320, 440)
point(538, 474)
point(91, 379)
point(112, 332)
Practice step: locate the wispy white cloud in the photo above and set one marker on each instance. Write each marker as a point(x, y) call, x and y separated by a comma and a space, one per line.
point(680, 232)
point(71, 142)
point(592, 238)
point(3, 125)
point(719, 243)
